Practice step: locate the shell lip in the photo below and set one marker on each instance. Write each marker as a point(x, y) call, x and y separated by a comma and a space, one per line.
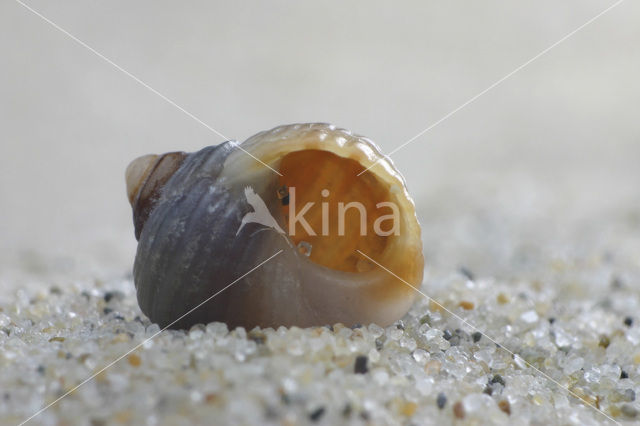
point(272, 145)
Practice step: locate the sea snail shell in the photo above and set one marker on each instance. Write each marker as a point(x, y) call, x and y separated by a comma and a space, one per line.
point(198, 230)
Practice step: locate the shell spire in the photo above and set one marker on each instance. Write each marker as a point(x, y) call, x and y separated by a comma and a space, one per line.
point(136, 174)
point(146, 176)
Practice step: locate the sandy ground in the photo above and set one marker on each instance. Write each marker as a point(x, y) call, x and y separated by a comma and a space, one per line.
point(532, 188)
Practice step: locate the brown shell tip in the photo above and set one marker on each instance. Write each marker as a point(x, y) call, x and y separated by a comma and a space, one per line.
point(137, 172)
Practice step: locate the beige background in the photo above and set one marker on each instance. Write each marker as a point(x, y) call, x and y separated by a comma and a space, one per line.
point(550, 153)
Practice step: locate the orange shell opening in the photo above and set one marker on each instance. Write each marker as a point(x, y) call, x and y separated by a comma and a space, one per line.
point(341, 208)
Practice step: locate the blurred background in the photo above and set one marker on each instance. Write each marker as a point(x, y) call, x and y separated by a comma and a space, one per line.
point(545, 165)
